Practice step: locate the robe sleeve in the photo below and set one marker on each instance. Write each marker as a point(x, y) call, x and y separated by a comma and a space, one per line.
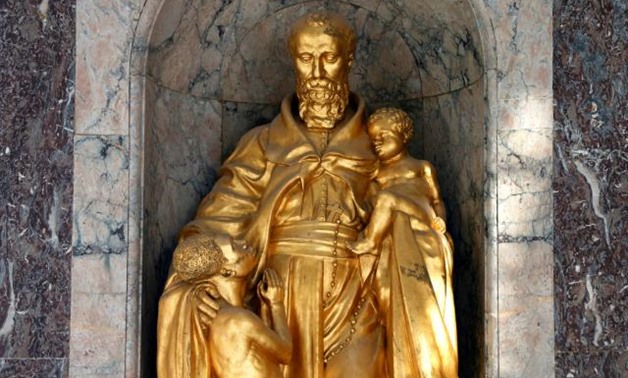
point(235, 197)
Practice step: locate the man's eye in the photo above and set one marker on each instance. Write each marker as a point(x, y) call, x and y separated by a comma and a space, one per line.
point(330, 58)
point(305, 58)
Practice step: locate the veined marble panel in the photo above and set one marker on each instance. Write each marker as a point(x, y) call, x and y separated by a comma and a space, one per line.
point(608, 363)
point(183, 148)
point(42, 367)
point(590, 187)
point(524, 185)
point(103, 48)
point(101, 179)
point(526, 345)
point(523, 31)
point(182, 152)
point(526, 322)
point(36, 129)
point(444, 38)
point(98, 326)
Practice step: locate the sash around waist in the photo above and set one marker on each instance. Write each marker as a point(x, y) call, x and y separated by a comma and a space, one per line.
point(313, 239)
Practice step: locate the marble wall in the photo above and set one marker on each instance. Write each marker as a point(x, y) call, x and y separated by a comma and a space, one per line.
point(591, 188)
point(36, 127)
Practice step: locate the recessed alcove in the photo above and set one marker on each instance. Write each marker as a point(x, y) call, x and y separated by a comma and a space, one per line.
point(214, 69)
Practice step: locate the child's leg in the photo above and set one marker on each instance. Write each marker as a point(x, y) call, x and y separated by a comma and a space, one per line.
point(381, 219)
point(420, 208)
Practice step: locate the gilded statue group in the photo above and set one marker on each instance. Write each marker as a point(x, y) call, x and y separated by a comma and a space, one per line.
point(322, 250)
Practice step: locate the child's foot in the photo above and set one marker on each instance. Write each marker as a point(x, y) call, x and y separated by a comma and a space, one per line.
point(362, 246)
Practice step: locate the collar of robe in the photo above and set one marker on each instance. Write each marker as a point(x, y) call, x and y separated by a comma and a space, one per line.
point(288, 143)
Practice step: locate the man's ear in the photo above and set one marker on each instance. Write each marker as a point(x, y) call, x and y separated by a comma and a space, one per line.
point(350, 60)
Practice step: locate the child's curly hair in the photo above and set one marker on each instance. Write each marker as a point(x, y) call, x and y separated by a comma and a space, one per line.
point(197, 257)
point(399, 121)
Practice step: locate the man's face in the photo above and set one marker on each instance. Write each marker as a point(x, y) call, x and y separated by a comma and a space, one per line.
point(322, 69)
point(318, 56)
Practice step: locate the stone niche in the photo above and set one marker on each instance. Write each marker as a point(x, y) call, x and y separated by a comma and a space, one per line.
point(211, 70)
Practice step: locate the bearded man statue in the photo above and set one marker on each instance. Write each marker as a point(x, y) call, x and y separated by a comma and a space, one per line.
point(297, 191)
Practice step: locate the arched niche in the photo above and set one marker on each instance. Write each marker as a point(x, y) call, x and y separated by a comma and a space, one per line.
point(205, 72)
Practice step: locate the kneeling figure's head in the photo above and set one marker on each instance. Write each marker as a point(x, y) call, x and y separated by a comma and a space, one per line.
point(219, 259)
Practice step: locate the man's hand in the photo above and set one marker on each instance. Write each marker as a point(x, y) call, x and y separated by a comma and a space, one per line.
point(438, 225)
point(208, 300)
point(270, 288)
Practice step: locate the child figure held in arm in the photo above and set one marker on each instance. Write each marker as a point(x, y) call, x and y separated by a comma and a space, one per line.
point(407, 185)
point(241, 344)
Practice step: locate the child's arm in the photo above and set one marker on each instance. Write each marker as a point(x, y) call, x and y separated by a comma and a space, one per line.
point(264, 311)
point(277, 343)
point(429, 175)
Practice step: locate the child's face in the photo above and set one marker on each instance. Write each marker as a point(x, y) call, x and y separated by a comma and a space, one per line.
point(240, 258)
point(387, 143)
point(231, 280)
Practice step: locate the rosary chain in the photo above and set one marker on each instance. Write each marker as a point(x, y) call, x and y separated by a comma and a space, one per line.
point(332, 285)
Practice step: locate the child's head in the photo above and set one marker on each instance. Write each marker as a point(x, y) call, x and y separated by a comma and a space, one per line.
point(390, 129)
point(216, 257)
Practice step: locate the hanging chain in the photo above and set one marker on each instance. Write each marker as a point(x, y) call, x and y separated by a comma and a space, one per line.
point(347, 340)
point(334, 265)
point(332, 286)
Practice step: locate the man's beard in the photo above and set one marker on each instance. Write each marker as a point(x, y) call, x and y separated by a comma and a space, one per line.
point(322, 102)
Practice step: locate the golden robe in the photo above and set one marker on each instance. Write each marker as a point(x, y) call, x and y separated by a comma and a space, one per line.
point(286, 190)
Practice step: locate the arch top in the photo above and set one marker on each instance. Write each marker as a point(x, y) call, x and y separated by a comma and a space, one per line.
point(209, 50)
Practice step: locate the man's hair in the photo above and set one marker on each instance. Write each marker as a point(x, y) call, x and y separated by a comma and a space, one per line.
point(198, 256)
point(398, 120)
point(326, 23)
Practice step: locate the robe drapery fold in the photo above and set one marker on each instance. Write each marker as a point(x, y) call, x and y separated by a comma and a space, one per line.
point(420, 316)
point(278, 161)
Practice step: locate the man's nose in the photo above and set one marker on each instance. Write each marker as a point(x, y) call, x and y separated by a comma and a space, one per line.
point(318, 69)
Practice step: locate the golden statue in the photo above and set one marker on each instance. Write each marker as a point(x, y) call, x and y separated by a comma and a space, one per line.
point(345, 222)
point(246, 345)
